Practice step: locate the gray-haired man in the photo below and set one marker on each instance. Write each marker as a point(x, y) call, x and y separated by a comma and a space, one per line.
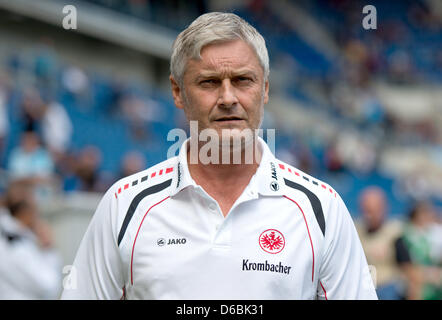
point(189, 228)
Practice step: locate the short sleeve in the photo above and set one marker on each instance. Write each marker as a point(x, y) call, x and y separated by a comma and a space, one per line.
point(344, 272)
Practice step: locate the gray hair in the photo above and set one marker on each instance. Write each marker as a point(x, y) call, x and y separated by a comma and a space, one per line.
point(210, 28)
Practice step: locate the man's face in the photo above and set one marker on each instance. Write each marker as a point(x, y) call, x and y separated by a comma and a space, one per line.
point(373, 207)
point(225, 89)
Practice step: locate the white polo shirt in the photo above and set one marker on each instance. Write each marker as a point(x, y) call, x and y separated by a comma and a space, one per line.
point(158, 235)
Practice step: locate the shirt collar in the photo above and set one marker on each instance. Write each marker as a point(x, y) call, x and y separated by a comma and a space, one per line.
point(266, 181)
point(182, 178)
point(268, 178)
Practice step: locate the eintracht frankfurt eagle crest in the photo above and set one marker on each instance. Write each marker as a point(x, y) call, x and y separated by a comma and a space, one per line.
point(272, 241)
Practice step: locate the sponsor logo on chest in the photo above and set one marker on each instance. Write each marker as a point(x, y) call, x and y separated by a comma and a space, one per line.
point(265, 266)
point(172, 241)
point(271, 241)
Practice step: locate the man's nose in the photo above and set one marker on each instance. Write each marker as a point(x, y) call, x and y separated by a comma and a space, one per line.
point(227, 94)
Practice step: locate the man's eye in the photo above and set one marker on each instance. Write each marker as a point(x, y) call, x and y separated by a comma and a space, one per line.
point(243, 79)
point(208, 81)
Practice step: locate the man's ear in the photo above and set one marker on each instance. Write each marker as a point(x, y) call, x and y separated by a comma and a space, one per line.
point(266, 92)
point(176, 93)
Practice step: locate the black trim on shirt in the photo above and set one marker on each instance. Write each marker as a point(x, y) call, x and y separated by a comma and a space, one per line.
point(314, 201)
point(136, 201)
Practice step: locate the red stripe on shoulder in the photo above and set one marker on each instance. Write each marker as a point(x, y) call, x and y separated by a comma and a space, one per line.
point(136, 236)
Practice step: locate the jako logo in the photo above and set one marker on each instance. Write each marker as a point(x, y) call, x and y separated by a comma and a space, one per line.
point(273, 169)
point(161, 241)
point(272, 241)
point(274, 186)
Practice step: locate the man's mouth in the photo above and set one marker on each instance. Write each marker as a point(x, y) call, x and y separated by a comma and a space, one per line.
point(225, 119)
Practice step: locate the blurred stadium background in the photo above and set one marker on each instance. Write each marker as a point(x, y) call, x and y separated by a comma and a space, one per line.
point(353, 107)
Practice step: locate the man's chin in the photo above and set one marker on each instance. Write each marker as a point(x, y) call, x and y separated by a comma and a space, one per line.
point(229, 125)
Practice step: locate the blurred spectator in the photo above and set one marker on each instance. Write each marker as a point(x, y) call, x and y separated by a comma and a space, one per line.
point(435, 238)
point(75, 80)
point(29, 266)
point(378, 236)
point(421, 238)
point(298, 155)
point(139, 112)
point(420, 15)
point(77, 85)
point(332, 159)
point(370, 108)
point(287, 155)
point(85, 175)
point(132, 162)
point(30, 161)
point(110, 99)
point(14, 63)
point(31, 109)
point(49, 117)
point(56, 129)
point(401, 69)
point(356, 152)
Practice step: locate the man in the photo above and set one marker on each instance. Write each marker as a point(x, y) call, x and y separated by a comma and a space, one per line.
point(29, 265)
point(417, 241)
point(221, 229)
point(378, 236)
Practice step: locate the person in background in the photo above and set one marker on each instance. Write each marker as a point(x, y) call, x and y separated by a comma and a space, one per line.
point(56, 128)
point(421, 241)
point(30, 109)
point(85, 172)
point(132, 163)
point(30, 268)
point(46, 116)
point(378, 236)
point(435, 237)
point(30, 161)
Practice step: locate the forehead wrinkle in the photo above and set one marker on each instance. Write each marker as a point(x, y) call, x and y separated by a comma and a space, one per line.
point(223, 72)
point(224, 64)
point(226, 67)
point(216, 63)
